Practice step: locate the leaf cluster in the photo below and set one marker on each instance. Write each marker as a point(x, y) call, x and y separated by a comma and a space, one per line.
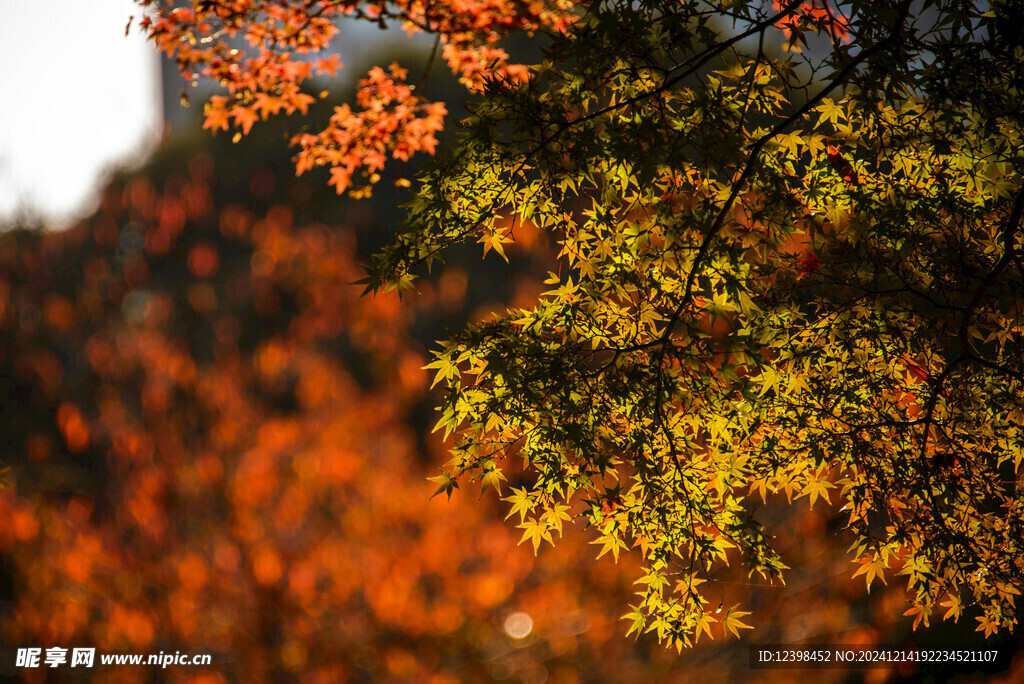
point(789, 265)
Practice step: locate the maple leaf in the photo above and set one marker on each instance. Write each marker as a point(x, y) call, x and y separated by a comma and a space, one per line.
point(955, 606)
point(871, 567)
point(495, 241)
point(521, 502)
point(610, 541)
point(245, 117)
point(445, 483)
point(988, 624)
point(809, 264)
point(556, 515)
point(705, 620)
point(267, 105)
point(921, 614)
point(493, 477)
point(341, 178)
point(637, 621)
point(217, 114)
point(732, 621)
point(816, 488)
point(329, 65)
point(537, 532)
point(841, 166)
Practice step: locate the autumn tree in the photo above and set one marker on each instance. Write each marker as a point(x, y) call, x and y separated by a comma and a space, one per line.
point(789, 266)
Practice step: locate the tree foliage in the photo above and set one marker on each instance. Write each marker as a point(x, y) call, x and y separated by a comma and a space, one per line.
point(260, 52)
point(789, 266)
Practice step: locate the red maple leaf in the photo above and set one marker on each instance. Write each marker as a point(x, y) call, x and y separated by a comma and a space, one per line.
point(841, 166)
point(809, 264)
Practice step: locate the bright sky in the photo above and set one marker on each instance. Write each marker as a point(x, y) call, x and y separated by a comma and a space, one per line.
point(81, 99)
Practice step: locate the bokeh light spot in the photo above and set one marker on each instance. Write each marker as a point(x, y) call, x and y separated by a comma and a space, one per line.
point(518, 625)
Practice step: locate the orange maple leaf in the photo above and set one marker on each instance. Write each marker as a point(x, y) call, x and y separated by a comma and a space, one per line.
point(329, 65)
point(217, 114)
point(245, 117)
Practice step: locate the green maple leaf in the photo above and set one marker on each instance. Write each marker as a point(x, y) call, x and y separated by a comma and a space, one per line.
point(445, 484)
